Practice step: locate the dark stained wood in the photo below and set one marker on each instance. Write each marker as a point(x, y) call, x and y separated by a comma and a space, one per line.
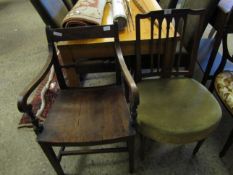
point(91, 121)
point(93, 151)
point(49, 152)
point(198, 147)
point(85, 116)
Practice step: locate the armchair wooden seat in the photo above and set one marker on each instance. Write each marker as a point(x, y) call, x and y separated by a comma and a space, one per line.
point(88, 117)
point(85, 116)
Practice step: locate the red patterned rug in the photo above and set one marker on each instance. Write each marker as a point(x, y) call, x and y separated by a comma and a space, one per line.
point(49, 97)
point(51, 94)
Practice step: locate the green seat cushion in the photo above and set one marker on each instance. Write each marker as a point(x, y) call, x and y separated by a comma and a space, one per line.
point(176, 110)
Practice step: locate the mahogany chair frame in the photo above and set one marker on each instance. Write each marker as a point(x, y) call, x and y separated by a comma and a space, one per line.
point(227, 8)
point(123, 80)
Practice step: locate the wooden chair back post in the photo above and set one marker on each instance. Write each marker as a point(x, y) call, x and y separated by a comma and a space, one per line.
point(219, 23)
point(52, 12)
point(171, 26)
point(77, 33)
point(226, 29)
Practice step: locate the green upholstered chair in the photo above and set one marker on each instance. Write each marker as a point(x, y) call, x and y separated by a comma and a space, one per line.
point(174, 108)
point(52, 12)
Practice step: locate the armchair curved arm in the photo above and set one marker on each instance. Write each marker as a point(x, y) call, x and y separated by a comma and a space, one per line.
point(22, 104)
point(134, 97)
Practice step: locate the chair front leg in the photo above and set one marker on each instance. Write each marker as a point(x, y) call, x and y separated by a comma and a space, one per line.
point(48, 150)
point(130, 144)
point(227, 145)
point(197, 147)
point(142, 147)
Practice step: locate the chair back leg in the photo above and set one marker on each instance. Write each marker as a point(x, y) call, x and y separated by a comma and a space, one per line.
point(130, 144)
point(227, 145)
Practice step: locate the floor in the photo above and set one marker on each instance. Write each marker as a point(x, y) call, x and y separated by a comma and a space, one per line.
point(22, 54)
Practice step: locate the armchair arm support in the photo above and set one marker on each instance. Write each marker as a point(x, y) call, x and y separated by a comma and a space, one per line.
point(22, 103)
point(134, 94)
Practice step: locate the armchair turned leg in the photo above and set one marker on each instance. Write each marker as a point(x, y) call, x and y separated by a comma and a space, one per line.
point(227, 145)
point(48, 150)
point(142, 147)
point(197, 147)
point(130, 144)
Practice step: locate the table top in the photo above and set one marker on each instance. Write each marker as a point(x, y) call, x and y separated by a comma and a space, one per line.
point(128, 33)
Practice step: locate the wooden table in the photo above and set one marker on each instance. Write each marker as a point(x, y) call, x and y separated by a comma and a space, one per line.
point(72, 50)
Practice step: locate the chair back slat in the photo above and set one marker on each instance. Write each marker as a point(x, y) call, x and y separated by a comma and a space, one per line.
point(167, 60)
point(181, 22)
point(55, 35)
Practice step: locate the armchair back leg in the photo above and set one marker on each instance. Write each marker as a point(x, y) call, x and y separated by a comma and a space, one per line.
point(48, 150)
point(130, 144)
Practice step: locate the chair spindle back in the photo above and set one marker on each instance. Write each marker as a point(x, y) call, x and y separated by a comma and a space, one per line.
point(167, 43)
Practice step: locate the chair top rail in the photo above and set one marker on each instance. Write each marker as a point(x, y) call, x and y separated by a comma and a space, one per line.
point(84, 32)
point(173, 12)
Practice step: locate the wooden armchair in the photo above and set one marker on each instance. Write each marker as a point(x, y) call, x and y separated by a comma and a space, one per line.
point(174, 108)
point(85, 116)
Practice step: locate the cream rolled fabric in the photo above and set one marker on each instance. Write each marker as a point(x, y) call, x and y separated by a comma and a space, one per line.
point(85, 12)
point(119, 14)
